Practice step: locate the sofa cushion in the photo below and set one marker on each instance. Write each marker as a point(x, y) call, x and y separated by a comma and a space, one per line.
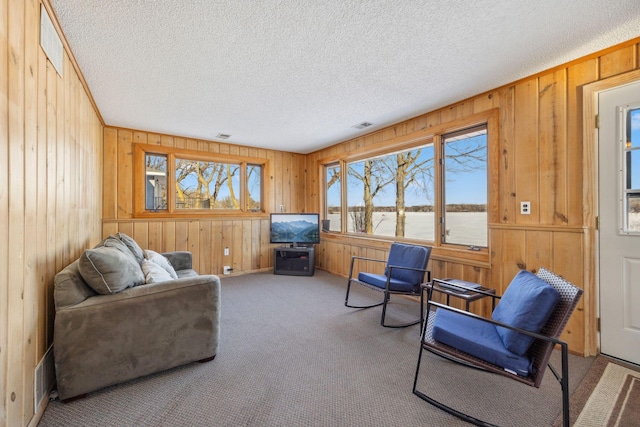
point(478, 338)
point(526, 304)
point(153, 273)
point(135, 249)
point(380, 281)
point(110, 269)
point(162, 261)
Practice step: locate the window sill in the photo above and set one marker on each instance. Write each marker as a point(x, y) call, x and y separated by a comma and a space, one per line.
point(457, 254)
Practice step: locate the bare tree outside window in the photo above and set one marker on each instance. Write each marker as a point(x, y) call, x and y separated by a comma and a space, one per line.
point(394, 194)
point(187, 183)
point(333, 197)
point(382, 190)
point(414, 171)
point(370, 177)
point(206, 185)
point(465, 188)
point(254, 187)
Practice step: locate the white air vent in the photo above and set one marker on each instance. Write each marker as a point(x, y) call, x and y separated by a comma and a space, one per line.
point(362, 125)
point(223, 136)
point(50, 41)
point(43, 379)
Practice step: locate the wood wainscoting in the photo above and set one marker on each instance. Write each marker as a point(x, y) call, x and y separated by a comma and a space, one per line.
point(513, 248)
point(246, 238)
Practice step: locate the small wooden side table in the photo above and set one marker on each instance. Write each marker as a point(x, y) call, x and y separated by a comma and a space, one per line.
point(468, 297)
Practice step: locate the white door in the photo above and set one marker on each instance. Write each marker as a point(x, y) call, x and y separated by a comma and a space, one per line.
point(619, 210)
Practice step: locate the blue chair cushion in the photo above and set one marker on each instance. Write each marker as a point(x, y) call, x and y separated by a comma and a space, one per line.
point(526, 304)
point(380, 281)
point(408, 256)
point(477, 338)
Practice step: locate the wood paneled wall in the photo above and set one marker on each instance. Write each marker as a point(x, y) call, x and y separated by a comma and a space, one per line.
point(540, 159)
point(50, 196)
point(247, 237)
point(53, 203)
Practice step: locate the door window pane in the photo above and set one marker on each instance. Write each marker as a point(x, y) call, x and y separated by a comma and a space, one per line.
point(633, 128)
point(632, 170)
point(633, 212)
point(465, 188)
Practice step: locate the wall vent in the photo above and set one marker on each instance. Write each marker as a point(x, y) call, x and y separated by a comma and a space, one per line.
point(223, 136)
point(50, 41)
point(362, 125)
point(43, 379)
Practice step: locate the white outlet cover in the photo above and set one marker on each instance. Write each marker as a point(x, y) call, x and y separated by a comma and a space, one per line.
point(525, 208)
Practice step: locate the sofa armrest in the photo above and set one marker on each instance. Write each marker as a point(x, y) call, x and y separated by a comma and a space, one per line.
point(109, 339)
point(180, 260)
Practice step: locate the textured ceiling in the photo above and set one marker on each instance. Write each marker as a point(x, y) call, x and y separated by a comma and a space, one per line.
point(297, 75)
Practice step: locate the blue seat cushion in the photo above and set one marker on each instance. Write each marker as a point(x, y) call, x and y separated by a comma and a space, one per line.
point(526, 304)
point(380, 281)
point(412, 256)
point(477, 338)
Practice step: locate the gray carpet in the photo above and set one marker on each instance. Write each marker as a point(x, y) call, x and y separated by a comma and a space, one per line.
point(292, 354)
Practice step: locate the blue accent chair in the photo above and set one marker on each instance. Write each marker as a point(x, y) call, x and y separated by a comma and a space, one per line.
point(405, 270)
point(516, 342)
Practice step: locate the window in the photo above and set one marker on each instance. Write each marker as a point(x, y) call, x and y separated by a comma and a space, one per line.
point(333, 196)
point(464, 170)
point(207, 185)
point(254, 188)
point(631, 171)
point(392, 195)
point(186, 182)
point(433, 189)
point(156, 182)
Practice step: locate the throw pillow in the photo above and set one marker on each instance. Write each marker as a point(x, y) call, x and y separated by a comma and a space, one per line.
point(108, 270)
point(526, 304)
point(109, 240)
point(115, 242)
point(135, 249)
point(162, 261)
point(153, 273)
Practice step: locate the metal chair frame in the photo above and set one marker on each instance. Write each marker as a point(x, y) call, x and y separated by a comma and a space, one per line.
point(540, 350)
point(387, 291)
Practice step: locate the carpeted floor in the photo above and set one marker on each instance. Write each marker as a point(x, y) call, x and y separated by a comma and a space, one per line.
point(292, 354)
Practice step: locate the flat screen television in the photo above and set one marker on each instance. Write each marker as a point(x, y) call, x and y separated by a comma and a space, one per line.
point(295, 229)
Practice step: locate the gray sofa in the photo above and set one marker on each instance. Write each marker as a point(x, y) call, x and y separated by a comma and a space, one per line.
point(118, 329)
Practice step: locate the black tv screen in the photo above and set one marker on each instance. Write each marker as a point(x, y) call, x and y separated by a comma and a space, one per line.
point(295, 228)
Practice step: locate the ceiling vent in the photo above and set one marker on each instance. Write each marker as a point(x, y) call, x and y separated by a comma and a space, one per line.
point(223, 136)
point(362, 125)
